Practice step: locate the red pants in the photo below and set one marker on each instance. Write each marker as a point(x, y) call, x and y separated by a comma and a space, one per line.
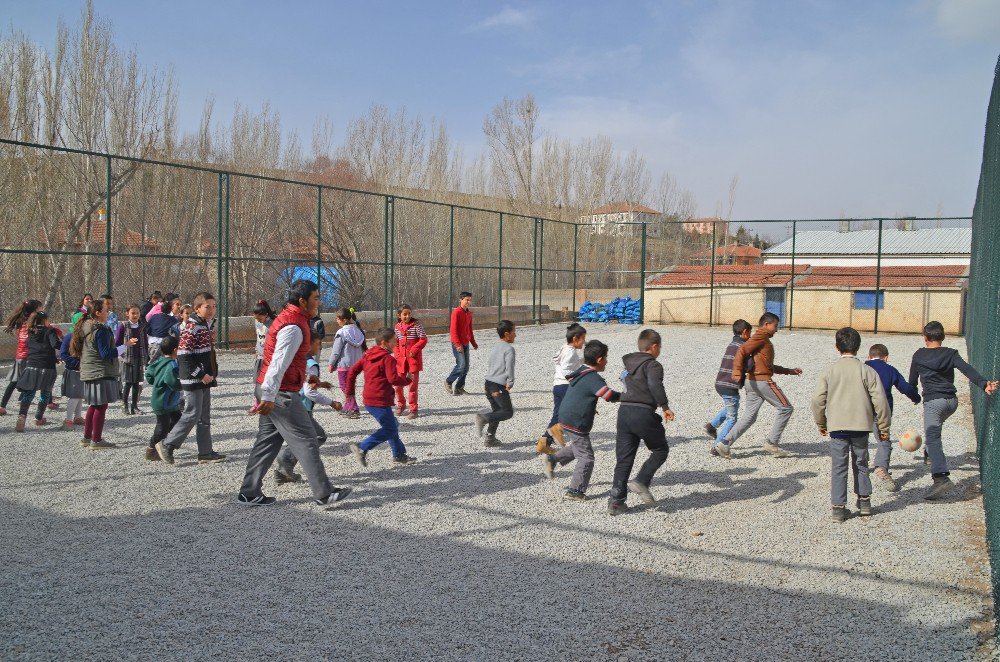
point(401, 397)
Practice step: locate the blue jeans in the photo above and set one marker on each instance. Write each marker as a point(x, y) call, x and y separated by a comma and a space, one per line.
point(388, 431)
point(726, 418)
point(558, 393)
point(461, 369)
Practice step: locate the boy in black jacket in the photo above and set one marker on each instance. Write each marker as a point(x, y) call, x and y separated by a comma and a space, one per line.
point(576, 418)
point(638, 421)
point(935, 366)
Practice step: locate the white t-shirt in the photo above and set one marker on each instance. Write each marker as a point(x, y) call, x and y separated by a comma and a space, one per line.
point(567, 360)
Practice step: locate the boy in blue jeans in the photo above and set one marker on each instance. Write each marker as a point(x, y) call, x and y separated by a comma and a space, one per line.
point(381, 378)
point(878, 360)
point(729, 388)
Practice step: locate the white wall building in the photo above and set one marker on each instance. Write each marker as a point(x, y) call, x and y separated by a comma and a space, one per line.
point(859, 248)
point(614, 218)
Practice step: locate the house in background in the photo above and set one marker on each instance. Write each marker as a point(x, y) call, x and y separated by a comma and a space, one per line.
point(612, 219)
point(858, 248)
point(705, 225)
point(734, 254)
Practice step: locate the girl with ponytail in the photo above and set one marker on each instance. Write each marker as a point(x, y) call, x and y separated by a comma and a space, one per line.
point(19, 324)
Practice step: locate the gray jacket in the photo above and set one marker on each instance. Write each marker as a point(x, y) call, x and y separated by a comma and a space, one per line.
point(849, 398)
point(348, 346)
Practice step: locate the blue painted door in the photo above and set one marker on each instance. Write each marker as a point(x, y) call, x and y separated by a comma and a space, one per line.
point(774, 302)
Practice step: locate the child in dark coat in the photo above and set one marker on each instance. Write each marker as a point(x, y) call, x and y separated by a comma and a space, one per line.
point(878, 360)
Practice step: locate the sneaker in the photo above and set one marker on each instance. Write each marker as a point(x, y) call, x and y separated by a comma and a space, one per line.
point(713, 451)
point(942, 485)
point(480, 424)
point(723, 451)
point(886, 480)
point(403, 459)
point(574, 495)
point(491, 440)
point(543, 447)
point(840, 514)
point(101, 444)
point(41, 422)
point(152, 455)
point(775, 450)
point(398, 411)
point(447, 388)
point(126, 410)
point(165, 452)
point(548, 466)
point(85, 443)
point(259, 500)
point(137, 412)
point(280, 477)
point(211, 458)
point(21, 422)
point(338, 494)
point(616, 508)
point(412, 415)
point(865, 506)
point(711, 431)
point(79, 421)
point(360, 455)
point(353, 415)
point(68, 424)
point(53, 406)
point(460, 391)
point(635, 487)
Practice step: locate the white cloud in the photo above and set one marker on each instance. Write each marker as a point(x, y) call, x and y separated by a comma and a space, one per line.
point(508, 17)
point(970, 19)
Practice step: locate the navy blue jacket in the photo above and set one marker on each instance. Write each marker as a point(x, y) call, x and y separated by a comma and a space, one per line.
point(586, 387)
point(891, 377)
point(159, 325)
point(71, 362)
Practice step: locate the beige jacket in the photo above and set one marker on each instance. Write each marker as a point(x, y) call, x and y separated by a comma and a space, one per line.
point(849, 398)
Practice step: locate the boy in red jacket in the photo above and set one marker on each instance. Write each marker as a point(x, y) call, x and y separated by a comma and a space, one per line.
point(381, 376)
point(461, 338)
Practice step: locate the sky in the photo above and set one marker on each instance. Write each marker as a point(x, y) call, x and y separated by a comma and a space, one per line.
point(822, 108)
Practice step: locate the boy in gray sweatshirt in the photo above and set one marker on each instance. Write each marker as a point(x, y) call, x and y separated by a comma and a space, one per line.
point(848, 401)
point(499, 382)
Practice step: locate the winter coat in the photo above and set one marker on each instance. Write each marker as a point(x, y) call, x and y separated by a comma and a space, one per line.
point(196, 354)
point(760, 348)
point(347, 347)
point(643, 382)
point(381, 376)
point(162, 374)
point(410, 343)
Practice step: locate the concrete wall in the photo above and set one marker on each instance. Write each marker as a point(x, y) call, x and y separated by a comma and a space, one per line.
point(559, 299)
point(690, 305)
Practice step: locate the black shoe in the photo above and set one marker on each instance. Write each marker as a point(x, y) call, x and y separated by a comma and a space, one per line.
point(864, 506)
point(211, 458)
point(711, 431)
point(574, 495)
point(280, 477)
point(338, 494)
point(460, 391)
point(259, 500)
point(491, 440)
point(166, 452)
point(840, 514)
point(403, 459)
point(617, 508)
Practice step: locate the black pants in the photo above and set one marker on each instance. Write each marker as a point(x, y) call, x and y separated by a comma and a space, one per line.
point(637, 424)
point(134, 389)
point(164, 424)
point(502, 409)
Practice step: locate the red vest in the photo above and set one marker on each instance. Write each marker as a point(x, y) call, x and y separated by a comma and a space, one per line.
point(295, 376)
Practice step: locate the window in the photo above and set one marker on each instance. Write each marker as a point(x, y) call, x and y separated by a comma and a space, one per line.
point(865, 299)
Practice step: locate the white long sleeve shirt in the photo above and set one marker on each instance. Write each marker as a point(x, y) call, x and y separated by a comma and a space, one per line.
point(567, 360)
point(285, 345)
point(311, 392)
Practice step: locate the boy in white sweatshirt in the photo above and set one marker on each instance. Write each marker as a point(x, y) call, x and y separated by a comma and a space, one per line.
point(567, 360)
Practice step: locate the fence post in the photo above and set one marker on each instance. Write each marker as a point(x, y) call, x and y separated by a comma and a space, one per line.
point(107, 232)
point(878, 272)
point(218, 245)
point(541, 267)
point(228, 281)
point(576, 232)
point(791, 292)
point(451, 257)
point(500, 275)
point(392, 259)
point(642, 279)
point(385, 265)
point(319, 237)
point(711, 280)
point(534, 265)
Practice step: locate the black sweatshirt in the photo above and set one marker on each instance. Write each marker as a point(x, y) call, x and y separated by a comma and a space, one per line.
point(644, 382)
point(935, 367)
point(43, 345)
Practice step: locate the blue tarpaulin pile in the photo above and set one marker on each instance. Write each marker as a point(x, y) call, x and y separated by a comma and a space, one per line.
point(625, 310)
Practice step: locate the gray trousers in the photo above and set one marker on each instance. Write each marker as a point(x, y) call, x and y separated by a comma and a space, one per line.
point(936, 412)
point(852, 453)
point(289, 423)
point(757, 393)
point(883, 449)
point(287, 457)
point(197, 415)
point(577, 448)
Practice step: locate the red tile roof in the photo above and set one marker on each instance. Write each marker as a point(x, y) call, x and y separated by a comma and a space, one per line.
point(623, 207)
point(128, 240)
point(760, 275)
point(731, 251)
point(865, 277)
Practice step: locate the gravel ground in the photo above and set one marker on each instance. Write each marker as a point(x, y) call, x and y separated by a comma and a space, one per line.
point(472, 554)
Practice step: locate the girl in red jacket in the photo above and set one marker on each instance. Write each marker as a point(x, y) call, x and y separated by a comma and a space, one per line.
point(410, 343)
point(17, 326)
point(381, 375)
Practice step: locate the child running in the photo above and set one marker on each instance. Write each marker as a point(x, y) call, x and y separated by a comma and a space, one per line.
point(17, 325)
point(94, 345)
point(348, 348)
point(639, 421)
point(576, 418)
point(197, 372)
point(499, 382)
point(134, 359)
point(728, 387)
point(39, 372)
point(166, 396)
point(935, 367)
point(878, 360)
point(462, 337)
point(310, 396)
point(568, 359)
point(410, 343)
point(848, 401)
point(72, 386)
point(381, 375)
point(760, 387)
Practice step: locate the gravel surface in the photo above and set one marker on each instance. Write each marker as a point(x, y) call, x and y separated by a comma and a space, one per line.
point(472, 554)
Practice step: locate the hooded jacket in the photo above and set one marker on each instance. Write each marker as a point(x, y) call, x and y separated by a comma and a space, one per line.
point(643, 382)
point(381, 376)
point(763, 367)
point(43, 345)
point(196, 354)
point(586, 387)
point(347, 346)
point(162, 374)
point(410, 342)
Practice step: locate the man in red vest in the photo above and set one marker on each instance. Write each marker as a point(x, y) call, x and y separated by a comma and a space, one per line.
point(461, 338)
point(283, 417)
